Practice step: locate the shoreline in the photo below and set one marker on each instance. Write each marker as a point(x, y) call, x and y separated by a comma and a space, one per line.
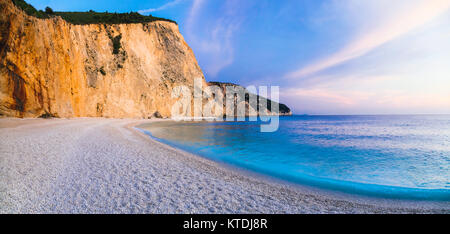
point(96, 165)
point(303, 188)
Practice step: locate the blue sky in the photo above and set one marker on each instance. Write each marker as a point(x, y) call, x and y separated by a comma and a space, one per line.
point(327, 56)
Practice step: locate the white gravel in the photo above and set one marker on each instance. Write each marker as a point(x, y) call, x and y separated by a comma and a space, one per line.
point(93, 165)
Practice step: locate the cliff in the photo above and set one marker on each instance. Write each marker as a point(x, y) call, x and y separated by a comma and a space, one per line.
point(283, 109)
point(52, 67)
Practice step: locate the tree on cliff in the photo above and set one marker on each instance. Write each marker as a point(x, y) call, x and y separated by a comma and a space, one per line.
point(49, 10)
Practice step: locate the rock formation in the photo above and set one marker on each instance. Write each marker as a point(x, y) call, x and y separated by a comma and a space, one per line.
point(50, 67)
point(282, 110)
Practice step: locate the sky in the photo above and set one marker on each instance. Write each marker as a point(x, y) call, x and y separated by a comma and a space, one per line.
point(327, 56)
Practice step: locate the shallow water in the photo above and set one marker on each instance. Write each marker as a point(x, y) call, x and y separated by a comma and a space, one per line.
point(405, 157)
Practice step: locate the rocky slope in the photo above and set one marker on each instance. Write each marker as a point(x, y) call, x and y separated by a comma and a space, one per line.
point(54, 67)
point(49, 67)
point(282, 110)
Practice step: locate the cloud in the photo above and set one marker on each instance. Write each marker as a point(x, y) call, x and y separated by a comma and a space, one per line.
point(212, 37)
point(322, 95)
point(163, 7)
point(193, 14)
point(406, 20)
point(390, 101)
point(381, 94)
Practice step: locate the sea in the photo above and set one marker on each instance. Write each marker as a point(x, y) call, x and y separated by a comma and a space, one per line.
point(398, 156)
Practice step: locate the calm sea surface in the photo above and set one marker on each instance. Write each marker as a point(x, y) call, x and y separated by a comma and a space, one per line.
point(404, 157)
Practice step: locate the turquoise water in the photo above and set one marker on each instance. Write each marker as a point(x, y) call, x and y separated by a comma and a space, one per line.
point(406, 157)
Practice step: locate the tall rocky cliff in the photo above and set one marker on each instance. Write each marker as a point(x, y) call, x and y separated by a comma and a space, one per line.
point(52, 67)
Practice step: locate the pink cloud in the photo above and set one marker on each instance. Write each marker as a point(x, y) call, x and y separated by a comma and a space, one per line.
point(395, 26)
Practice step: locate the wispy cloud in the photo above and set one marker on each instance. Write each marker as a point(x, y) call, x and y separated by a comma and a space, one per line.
point(163, 7)
point(323, 95)
point(390, 101)
point(213, 38)
point(362, 94)
point(406, 20)
point(192, 18)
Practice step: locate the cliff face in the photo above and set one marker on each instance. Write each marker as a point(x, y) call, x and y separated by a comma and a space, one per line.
point(49, 66)
point(283, 110)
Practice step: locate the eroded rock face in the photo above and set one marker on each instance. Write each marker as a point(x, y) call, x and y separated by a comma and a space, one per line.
point(51, 67)
point(250, 110)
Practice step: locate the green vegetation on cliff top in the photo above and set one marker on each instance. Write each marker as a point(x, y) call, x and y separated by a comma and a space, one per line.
point(90, 17)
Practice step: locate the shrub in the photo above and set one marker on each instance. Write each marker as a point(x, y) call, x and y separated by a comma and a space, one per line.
point(29, 9)
point(102, 71)
point(93, 17)
point(48, 115)
point(90, 17)
point(49, 10)
point(116, 44)
point(157, 115)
